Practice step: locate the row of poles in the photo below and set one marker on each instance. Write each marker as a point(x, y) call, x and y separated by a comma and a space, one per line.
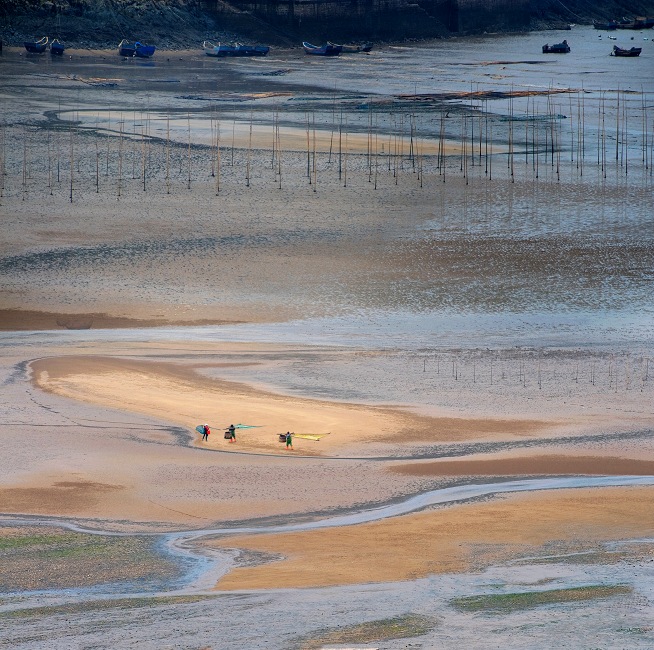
point(395, 147)
point(631, 374)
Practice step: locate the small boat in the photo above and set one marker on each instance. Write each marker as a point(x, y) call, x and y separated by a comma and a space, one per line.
point(125, 48)
point(57, 48)
point(609, 25)
point(557, 48)
point(234, 49)
point(36, 47)
point(329, 49)
point(634, 51)
point(352, 49)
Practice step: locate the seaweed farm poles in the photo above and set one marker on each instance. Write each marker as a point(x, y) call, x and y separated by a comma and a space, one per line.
point(247, 166)
point(120, 154)
point(72, 166)
point(217, 157)
point(188, 121)
point(168, 153)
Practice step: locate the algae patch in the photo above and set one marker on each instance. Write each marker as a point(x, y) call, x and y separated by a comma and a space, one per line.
point(400, 627)
point(507, 603)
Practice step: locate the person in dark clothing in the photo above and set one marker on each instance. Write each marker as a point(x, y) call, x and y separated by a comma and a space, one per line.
point(205, 432)
point(232, 433)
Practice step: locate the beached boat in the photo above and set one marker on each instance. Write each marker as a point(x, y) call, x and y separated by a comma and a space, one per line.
point(36, 47)
point(125, 48)
point(634, 51)
point(609, 25)
point(352, 49)
point(328, 49)
point(234, 49)
point(557, 48)
point(57, 47)
point(640, 22)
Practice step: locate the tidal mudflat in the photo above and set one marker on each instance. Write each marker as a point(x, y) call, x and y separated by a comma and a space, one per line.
point(437, 276)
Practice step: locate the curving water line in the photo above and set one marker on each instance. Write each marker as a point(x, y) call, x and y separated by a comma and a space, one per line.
point(207, 565)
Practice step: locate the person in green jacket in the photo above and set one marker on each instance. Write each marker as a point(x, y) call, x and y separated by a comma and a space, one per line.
point(289, 440)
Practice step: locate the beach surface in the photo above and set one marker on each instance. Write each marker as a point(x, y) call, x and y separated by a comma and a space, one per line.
point(407, 278)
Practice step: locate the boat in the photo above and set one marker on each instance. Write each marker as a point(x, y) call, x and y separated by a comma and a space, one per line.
point(609, 25)
point(634, 51)
point(234, 49)
point(640, 22)
point(125, 48)
point(36, 47)
point(557, 48)
point(352, 49)
point(328, 49)
point(57, 47)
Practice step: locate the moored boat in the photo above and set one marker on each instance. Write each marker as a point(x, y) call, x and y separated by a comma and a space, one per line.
point(234, 49)
point(329, 49)
point(352, 49)
point(619, 51)
point(125, 48)
point(609, 25)
point(36, 47)
point(557, 48)
point(57, 47)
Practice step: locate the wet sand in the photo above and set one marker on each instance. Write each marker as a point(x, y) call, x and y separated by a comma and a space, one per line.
point(465, 538)
point(98, 426)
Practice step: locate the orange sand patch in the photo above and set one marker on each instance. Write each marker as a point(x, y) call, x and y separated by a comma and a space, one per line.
point(179, 395)
point(453, 539)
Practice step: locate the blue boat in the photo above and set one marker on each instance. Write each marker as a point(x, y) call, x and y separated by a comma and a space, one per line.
point(557, 48)
point(234, 49)
point(127, 49)
point(36, 47)
point(329, 49)
point(57, 48)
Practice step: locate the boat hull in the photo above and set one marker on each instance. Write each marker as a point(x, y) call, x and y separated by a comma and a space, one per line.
point(634, 51)
point(328, 49)
point(36, 47)
point(239, 50)
point(557, 48)
point(136, 50)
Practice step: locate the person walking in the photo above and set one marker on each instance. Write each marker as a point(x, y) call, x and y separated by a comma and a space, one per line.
point(289, 440)
point(232, 433)
point(205, 432)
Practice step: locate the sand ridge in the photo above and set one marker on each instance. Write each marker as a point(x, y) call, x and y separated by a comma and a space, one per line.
point(184, 397)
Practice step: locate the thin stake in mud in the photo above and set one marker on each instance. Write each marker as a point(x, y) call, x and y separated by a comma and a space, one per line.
point(346, 152)
point(108, 141)
point(168, 152)
point(97, 159)
point(247, 169)
point(72, 158)
point(24, 164)
point(217, 157)
point(2, 161)
point(120, 154)
point(188, 120)
point(315, 168)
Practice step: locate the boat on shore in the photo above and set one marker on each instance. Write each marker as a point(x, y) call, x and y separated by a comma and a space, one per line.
point(640, 22)
point(353, 49)
point(610, 25)
point(557, 48)
point(137, 49)
point(57, 48)
point(619, 51)
point(328, 49)
point(36, 47)
point(234, 49)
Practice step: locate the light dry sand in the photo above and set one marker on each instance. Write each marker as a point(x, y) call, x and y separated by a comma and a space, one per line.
point(182, 396)
point(455, 539)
